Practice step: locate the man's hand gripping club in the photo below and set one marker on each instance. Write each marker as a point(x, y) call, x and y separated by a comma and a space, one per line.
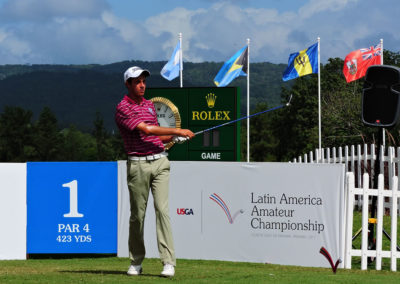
point(182, 138)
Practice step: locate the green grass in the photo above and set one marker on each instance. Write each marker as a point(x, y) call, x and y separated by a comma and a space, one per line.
point(113, 270)
point(356, 261)
point(386, 227)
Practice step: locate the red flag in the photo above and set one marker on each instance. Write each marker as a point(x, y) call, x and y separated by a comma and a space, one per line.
point(357, 62)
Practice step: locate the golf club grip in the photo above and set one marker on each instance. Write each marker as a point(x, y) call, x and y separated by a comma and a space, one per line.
point(169, 145)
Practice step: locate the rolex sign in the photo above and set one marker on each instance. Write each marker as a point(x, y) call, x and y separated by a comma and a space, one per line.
point(199, 109)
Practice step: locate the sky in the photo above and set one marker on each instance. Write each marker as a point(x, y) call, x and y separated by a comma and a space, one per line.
point(108, 31)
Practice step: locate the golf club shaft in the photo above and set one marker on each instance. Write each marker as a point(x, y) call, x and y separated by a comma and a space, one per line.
point(239, 119)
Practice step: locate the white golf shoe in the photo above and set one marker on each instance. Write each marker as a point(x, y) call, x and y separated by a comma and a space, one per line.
point(168, 270)
point(134, 270)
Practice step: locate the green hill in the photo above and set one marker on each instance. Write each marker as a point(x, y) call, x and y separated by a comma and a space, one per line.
point(76, 92)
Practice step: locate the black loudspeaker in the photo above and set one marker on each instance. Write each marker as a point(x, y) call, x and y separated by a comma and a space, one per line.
point(381, 96)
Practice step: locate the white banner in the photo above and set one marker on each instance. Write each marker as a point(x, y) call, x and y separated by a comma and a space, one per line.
point(277, 213)
point(13, 211)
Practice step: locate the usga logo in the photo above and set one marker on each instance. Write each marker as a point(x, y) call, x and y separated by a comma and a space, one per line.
point(184, 211)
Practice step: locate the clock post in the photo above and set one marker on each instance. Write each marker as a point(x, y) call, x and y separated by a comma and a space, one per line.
point(198, 109)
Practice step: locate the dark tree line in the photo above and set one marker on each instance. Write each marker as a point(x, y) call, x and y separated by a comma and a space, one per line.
point(23, 140)
point(275, 136)
point(79, 86)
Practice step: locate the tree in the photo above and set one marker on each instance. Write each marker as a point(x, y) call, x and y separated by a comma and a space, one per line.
point(391, 58)
point(109, 147)
point(101, 137)
point(117, 145)
point(78, 146)
point(296, 127)
point(16, 135)
point(47, 138)
point(263, 142)
point(341, 108)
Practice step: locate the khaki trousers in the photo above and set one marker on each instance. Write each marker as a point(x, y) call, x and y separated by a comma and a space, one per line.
point(143, 176)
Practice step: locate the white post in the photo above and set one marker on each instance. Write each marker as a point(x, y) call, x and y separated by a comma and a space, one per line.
point(365, 158)
point(181, 61)
point(359, 173)
point(248, 100)
point(373, 157)
point(379, 225)
point(334, 155)
point(393, 226)
point(319, 95)
point(383, 129)
point(364, 234)
point(349, 219)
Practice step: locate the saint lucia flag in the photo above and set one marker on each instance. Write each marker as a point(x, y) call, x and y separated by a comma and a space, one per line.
point(302, 63)
point(234, 67)
point(171, 70)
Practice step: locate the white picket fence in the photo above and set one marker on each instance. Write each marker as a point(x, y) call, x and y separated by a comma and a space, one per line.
point(364, 252)
point(360, 160)
point(359, 165)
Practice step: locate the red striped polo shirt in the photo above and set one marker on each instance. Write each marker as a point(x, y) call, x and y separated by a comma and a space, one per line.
point(128, 115)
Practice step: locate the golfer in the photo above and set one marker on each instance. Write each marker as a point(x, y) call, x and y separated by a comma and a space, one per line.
point(147, 167)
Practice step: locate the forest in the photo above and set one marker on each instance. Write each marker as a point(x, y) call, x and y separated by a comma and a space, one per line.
point(65, 112)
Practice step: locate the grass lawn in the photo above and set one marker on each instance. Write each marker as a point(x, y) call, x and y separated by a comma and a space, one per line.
point(386, 226)
point(104, 269)
point(113, 270)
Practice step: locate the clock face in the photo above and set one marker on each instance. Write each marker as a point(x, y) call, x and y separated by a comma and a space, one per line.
point(165, 115)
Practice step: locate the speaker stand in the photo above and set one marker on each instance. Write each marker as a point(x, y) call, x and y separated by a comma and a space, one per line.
point(372, 219)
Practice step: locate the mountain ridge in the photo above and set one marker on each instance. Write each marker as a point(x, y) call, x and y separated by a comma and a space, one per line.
point(75, 93)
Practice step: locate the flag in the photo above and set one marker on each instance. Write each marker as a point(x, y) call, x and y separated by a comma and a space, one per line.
point(234, 67)
point(302, 63)
point(357, 62)
point(171, 70)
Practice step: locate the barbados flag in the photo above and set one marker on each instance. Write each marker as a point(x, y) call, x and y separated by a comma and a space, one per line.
point(302, 63)
point(234, 67)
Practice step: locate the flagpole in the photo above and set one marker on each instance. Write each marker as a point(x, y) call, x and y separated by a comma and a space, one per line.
point(181, 61)
point(248, 100)
point(319, 100)
point(383, 129)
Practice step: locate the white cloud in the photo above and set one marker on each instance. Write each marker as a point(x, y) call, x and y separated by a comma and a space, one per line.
point(216, 34)
point(317, 6)
point(172, 23)
point(128, 30)
point(77, 31)
point(12, 48)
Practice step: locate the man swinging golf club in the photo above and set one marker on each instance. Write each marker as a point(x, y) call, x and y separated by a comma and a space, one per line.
point(148, 167)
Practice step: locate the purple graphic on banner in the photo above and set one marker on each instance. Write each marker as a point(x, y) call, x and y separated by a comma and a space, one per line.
point(217, 199)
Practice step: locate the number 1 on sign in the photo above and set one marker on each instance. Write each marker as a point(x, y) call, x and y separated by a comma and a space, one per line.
point(73, 199)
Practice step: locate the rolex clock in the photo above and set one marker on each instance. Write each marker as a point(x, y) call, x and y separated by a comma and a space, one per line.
point(167, 115)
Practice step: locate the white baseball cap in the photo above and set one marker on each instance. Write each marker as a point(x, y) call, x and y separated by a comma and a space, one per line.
point(134, 72)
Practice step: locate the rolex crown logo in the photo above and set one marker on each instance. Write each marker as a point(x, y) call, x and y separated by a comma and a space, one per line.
point(211, 98)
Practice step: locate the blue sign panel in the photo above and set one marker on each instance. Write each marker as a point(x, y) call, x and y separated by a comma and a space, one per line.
point(72, 207)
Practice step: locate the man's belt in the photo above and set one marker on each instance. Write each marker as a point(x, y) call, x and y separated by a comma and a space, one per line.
point(149, 157)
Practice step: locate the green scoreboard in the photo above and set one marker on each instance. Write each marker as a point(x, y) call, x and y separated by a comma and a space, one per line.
point(199, 109)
